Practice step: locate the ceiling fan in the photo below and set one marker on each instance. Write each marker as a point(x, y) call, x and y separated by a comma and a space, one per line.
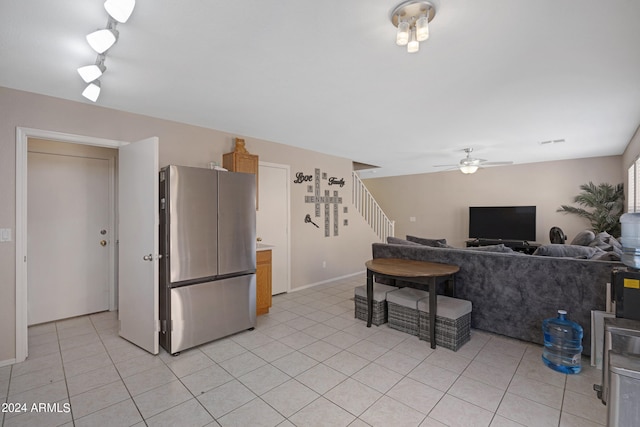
point(470, 165)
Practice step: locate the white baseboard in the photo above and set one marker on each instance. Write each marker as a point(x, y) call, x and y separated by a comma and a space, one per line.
point(327, 281)
point(7, 362)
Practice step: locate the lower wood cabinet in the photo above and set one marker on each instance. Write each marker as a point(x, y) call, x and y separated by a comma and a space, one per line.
point(263, 281)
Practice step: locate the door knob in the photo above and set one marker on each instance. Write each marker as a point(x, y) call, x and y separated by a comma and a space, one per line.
point(148, 257)
point(103, 243)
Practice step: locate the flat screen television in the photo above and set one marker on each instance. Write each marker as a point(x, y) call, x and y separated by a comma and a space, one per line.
point(502, 222)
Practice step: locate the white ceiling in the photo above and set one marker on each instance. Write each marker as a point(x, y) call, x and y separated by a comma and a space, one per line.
point(499, 75)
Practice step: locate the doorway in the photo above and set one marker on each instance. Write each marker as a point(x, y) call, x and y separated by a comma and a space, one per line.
point(23, 135)
point(273, 223)
point(70, 222)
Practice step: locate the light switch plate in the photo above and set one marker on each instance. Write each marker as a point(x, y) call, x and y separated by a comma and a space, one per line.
point(5, 234)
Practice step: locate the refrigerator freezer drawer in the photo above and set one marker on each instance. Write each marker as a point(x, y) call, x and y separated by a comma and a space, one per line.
point(207, 311)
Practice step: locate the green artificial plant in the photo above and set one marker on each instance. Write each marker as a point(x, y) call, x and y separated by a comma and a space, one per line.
point(606, 203)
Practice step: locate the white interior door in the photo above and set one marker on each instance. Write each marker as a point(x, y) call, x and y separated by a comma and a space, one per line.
point(68, 236)
point(272, 221)
point(138, 221)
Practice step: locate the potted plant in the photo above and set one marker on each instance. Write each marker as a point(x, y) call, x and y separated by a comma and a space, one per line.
point(606, 204)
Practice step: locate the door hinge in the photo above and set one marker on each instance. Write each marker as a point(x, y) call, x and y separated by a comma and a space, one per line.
point(162, 203)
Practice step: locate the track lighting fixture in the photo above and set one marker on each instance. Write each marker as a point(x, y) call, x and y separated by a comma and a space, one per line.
point(120, 10)
point(92, 91)
point(412, 19)
point(93, 72)
point(101, 41)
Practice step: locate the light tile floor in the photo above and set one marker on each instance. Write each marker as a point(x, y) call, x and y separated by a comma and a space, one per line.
point(307, 363)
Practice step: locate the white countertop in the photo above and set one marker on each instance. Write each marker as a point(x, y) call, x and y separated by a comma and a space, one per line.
point(263, 247)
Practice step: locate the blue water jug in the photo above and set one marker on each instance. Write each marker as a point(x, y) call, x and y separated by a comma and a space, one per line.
point(562, 344)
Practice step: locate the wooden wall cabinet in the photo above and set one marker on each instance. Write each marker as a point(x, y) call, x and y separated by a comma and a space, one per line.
point(263, 281)
point(241, 161)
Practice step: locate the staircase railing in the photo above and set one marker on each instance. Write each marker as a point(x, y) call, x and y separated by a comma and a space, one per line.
point(370, 210)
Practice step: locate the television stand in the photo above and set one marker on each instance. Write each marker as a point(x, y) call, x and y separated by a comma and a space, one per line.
point(523, 246)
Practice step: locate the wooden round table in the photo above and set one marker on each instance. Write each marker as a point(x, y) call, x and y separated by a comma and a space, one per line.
point(418, 273)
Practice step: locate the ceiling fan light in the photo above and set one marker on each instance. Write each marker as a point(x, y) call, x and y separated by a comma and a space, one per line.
point(120, 10)
point(414, 45)
point(92, 91)
point(422, 28)
point(102, 40)
point(468, 169)
point(402, 36)
point(90, 73)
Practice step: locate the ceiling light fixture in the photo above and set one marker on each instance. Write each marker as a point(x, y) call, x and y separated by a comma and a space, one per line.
point(120, 10)
point(412, 20)
point(469, 165)
point(92, 91)
point(93, 72)
point(467, 169)
point(101, 41)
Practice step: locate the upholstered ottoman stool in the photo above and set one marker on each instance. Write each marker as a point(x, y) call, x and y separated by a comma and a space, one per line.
point(453, 321)
point(379, 303)
point(402, 307)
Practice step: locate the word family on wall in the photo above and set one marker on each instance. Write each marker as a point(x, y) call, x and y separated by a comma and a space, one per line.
point(325, 201)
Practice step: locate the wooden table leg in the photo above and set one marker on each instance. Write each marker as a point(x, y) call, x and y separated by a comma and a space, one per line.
point(433, 295)
point(369, 297)
point(452, 281)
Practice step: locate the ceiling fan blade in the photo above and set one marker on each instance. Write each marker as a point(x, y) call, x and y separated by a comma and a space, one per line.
point(445, 166)
point(496, 163)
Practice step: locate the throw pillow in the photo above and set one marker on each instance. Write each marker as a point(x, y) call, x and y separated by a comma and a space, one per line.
point(444, 245)
point(605, 241)
point(568, 251)
point(607, 256)
point(426, 242)
point(501, 248)
point(398, 241)
point(583, 238)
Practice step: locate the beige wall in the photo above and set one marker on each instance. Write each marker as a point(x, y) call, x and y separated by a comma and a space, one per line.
point(179, 144)
point(440, 201)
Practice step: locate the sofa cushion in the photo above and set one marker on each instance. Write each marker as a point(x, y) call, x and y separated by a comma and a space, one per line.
point(583, 238)
point(426, 242)
point(398, 241)
point(567, 251)
point(501, 248)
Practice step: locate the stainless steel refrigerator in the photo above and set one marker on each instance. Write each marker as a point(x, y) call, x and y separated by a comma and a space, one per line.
point(208, 248)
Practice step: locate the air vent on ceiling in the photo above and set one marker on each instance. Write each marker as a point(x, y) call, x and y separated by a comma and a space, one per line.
point(552, 141)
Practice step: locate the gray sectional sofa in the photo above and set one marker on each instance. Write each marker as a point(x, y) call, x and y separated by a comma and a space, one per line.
point(511, 292)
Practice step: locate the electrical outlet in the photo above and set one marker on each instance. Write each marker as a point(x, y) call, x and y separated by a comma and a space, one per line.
point(5, 234)
point(324, 264)
point(412, 219)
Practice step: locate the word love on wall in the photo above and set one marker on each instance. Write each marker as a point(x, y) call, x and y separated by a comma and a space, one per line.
point(323, 198)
